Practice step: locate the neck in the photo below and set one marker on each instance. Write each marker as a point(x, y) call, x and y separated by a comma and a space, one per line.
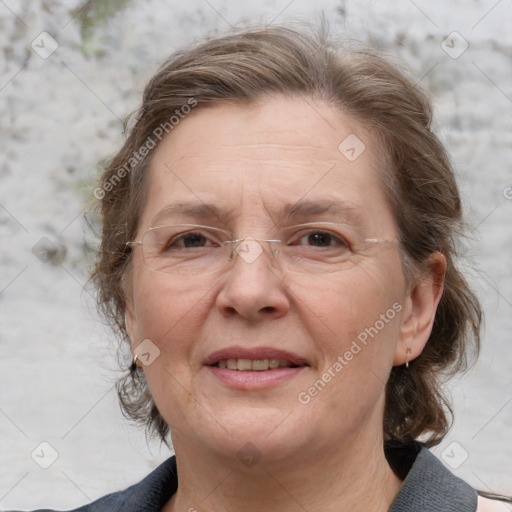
point(353, 478)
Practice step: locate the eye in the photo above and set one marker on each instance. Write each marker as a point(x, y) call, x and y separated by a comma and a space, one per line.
point(320, 238)
point(188, 240)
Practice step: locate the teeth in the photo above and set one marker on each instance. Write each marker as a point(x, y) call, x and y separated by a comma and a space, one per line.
point(253, 364)
point(244, 364)
point(260, 364)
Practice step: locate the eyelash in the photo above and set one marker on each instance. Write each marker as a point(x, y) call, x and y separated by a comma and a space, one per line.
point(337, 238)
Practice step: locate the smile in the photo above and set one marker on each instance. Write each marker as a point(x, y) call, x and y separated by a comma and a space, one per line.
point(244, 368)
point(258, 365)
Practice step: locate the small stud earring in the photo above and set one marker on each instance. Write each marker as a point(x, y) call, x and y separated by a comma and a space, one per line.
point(408, 354)
point(133, 367)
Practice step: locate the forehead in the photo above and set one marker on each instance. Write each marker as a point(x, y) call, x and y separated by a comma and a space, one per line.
point(270, 154)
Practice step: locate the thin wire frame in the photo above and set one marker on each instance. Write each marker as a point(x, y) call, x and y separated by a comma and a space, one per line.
point(207, 259)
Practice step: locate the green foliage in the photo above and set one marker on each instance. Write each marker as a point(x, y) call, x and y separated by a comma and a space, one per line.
point(92, 15)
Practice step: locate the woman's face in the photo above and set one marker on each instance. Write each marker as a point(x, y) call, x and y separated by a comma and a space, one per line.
point(272, 165)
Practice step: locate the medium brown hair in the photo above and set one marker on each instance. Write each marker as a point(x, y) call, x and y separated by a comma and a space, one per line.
point(243, 67)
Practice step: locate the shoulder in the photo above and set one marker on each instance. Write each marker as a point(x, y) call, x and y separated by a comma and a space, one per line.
point(430, 487)
point(148, 495)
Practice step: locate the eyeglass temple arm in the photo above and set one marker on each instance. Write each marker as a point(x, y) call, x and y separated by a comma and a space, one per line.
point(378, 240)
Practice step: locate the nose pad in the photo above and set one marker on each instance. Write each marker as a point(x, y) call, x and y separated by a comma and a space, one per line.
point(250, 249)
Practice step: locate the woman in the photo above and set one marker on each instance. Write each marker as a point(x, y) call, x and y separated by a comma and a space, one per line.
point(279, 235)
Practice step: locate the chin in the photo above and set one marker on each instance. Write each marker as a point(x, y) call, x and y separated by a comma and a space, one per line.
point(251, 432)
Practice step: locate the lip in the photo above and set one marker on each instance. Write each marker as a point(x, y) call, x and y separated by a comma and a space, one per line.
point(252, 379)
point(237, 352)
point(248, 380)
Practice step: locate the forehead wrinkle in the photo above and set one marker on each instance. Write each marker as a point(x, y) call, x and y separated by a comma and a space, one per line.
point(311, 208)
point(244, 163)
point(296, 147)
point(300, 209)
point(191, 209)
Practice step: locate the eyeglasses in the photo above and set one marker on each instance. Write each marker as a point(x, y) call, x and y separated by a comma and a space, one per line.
point(192, 249)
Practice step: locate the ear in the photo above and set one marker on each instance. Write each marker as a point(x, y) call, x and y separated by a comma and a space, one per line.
point(129, 316)
point(128, 322)
point(420, 310)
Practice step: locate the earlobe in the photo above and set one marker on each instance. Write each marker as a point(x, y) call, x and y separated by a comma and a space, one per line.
point(420, 310)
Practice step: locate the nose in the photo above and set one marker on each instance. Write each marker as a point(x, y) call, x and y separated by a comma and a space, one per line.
point(253, 288)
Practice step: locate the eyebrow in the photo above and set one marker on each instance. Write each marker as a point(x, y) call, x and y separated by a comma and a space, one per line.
point(299, 209)
point(201, 210)
point(312, 208)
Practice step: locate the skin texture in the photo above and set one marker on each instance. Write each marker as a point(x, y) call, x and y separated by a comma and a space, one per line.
point(325, 455)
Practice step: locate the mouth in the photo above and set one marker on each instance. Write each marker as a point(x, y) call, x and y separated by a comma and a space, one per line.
point(254, 368)
point(257, 365)
point(255, 359)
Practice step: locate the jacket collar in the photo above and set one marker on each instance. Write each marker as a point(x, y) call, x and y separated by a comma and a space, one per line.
point(149, 495)
point(428, 486)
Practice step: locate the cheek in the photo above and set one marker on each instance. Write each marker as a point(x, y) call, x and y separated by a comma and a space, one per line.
point(162, 309)
point(355, 326)
point(170, 319)
point(357, 316)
